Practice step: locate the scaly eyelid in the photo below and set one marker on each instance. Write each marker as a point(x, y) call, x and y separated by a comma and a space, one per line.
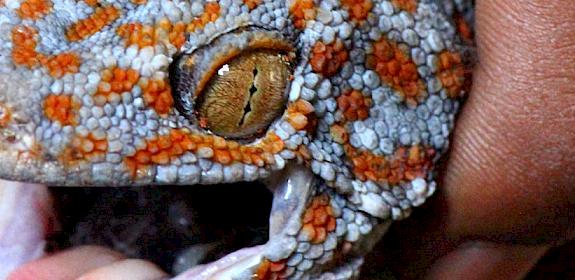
point(193, 71)
point(204, 61)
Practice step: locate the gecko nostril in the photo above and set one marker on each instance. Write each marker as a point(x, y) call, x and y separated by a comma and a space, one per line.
point(235, 86)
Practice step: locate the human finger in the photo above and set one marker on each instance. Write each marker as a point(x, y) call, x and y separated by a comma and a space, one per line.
point(509, 175)
point(126, 269)
point(26, 216)
point(486, 260)
point(66, 265)
point(510, 172)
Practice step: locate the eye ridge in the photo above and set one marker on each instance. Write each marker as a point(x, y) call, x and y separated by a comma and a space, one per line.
point(238, 30)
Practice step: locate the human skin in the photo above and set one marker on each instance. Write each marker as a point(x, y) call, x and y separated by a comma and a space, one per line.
point(507, 186)
point(509, 178)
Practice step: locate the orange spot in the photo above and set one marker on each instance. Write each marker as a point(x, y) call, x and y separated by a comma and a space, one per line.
point(328, 59)
point(94, 23)
point(162, 150)
point(252, 4)
point(5, 115)
point(453, 75)
point(34, 9)
point(302, 11)
point(114, 82)
point(303, 153)
point(263, 270)
point(211, 14)
point(269, 270)
point(354, 105)
point(137, 34)
point(299, 115)
point(318, 219)
point(406, 5)
point(24, 53)
point(358, 9)
point(61, 64)
point(166, 31)
point(146, 35)
point(277, 266)
point(24, 46)
point(139, 2)
point(339, 134)
point(397, 69)
point(223, 157)
point(297, 120)
point(85, 148)
point(61, 108)
point(405, 165)
point(463, 28)
point(158, 95)
point(177, 35)
point(91, 2)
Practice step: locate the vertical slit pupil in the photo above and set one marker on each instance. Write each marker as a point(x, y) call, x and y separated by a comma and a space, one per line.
point(253, 90)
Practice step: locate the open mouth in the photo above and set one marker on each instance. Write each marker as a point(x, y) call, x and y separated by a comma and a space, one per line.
point(192, 232)
point(177, 228)
point(195, 232)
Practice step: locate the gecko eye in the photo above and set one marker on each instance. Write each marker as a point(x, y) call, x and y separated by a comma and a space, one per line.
point(236, 86)
point(245, 95)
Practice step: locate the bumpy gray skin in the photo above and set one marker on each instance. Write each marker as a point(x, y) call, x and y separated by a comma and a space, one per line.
point(32, 145)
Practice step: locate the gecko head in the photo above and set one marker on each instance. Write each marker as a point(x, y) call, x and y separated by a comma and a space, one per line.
point(336, 104)
point(214, 111)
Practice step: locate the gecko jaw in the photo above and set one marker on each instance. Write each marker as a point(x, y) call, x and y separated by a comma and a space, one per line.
point(228, 267)
point(292, 189)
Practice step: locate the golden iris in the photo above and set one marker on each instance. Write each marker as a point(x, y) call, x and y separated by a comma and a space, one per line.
point(246, 94)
